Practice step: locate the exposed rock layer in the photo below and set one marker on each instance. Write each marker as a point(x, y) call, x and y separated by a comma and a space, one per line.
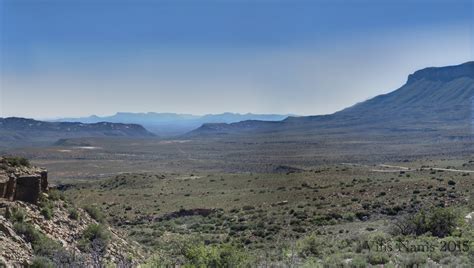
point(22, 183)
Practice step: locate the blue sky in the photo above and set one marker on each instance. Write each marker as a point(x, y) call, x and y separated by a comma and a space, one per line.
point(80, 57)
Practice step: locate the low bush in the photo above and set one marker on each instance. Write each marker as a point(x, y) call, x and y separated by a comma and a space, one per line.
point(41, 244)
point(311, 246)
point(440, 222)
point(55, 195)
point(28, 231)
point(73, 214)
point(224, 255)
point(413, 260)
point(95, 237)
point(47, 213)
point(16, 215)
point(358, 262)
point(377, 258)
point(95, 213)
point(46, 206)
point(41, 262)
point(17, 161)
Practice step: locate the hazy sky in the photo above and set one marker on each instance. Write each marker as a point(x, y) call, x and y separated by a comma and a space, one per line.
point(81, 57)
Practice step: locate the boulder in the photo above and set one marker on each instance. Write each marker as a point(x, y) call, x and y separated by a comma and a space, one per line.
point(28, 188)
point(24, 183)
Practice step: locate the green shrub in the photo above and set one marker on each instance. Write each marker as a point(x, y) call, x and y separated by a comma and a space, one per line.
point(440, 222)
point(377, 258)
point(47, 213)
point(41, 244)
point(28, 231)
point(46, 208)
point(223, 255)
point(17, 161)
point(41, 262)
point(56, 195)
point(311, 246)
point(74, 214)
point(414, 260)
point(94, 235)
point(47, 247)
point(95, 213)
point(16, 215)
point(334, 261)
point(358, 262)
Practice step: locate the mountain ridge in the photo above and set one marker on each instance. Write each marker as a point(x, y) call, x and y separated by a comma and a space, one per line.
point(172, 124)
point(17, 131)
point(439, 96)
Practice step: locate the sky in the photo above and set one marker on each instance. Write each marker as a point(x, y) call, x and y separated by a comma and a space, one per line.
point(63, 58)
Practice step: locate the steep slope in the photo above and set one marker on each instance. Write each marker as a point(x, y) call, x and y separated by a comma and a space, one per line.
point(442, 95)
point(21, 131)
point(432, 98)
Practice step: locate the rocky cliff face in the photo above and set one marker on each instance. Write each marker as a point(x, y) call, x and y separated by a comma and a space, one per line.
point(20, 181)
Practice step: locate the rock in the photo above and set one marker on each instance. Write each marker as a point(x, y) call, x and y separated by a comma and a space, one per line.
point(44, 181)
point(469, 216)
point(22, 183)
point(281, 203)
point(3, 184)
point(28, 188)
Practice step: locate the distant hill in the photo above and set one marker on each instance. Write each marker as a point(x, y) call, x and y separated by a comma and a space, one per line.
point(169, 124)
point(16, 131)
point(432, 99)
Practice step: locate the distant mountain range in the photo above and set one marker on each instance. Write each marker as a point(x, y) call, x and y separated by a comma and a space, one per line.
point(16, 131)
point(170, 124)
point(438, 101)
point(436, 98)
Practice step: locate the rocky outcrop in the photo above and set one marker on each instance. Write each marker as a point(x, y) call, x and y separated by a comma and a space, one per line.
point(37, 223)
point(21, 182)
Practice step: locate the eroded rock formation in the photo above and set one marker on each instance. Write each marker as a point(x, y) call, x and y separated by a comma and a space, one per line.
point(20, 181)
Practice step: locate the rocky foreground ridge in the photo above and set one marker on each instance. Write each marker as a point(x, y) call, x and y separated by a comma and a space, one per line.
point(38, 227)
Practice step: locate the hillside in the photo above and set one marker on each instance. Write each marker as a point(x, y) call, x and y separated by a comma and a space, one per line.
point(21, 131)
point(39, 228)
point(432, 98)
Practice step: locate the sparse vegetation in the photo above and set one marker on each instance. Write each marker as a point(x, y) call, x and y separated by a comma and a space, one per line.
point(95, 213)
point(74, 214)
point(42, 262)
point(322, 216)
point(95, 237)
point(17, 161)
